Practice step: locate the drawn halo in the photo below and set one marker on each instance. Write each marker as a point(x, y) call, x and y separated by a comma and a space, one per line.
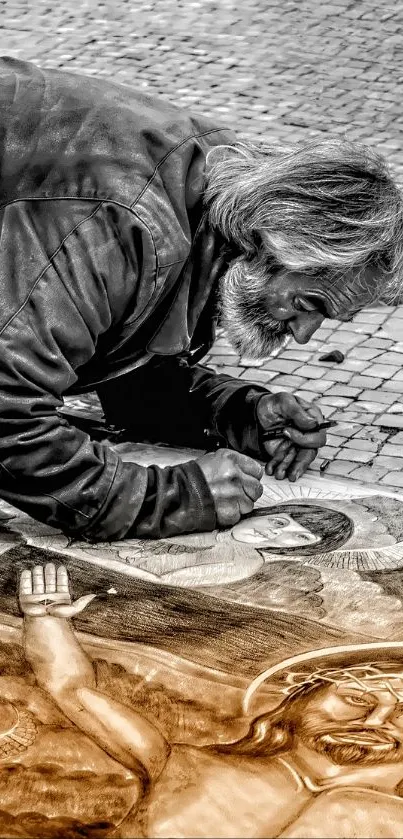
point(360, 552)
point(344, 656)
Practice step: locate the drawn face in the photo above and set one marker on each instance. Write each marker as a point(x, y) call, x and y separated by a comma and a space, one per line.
point(353, 723)
point(273, 531)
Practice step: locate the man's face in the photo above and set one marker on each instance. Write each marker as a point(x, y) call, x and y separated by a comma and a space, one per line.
point(276, 531)
point(262, 306)
point(356, 726)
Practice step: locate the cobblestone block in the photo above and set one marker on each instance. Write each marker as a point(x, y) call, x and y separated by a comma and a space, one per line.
point(377, 343)
point(293, 382)
point(368, 474)
point(363, 445)
point(343, 390)
point(394, 479)
point(397, 439)
point(381, 396)
point(317, 385)
point(363, 382)
point(251, 362)
point(393, 386)
point(391, 450)
point(283, 365)
point(369, 407)
point(390, 463)
point(355, 455)
point(390, 420)
point(382, 371)
point(312, 372)
point(391, 358)
point(259, 376)
point(356, 365)
point(341, 468)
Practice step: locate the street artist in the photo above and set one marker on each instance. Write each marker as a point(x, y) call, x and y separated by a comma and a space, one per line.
point(129, 229)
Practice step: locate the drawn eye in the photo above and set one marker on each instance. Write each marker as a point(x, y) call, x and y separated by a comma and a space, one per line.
point(280, 523)
point(360, 701)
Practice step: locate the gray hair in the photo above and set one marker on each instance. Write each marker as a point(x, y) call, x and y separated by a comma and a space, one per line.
point(325, 207)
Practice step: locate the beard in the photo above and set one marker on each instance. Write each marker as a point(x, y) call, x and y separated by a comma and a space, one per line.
point(252, 331)
point(355, 746)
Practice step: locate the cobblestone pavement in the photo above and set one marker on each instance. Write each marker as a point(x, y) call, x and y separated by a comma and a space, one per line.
point(291, 70)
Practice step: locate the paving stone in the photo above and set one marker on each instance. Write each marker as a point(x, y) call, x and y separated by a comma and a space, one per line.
point(390, 450)
point(343, 390)
point(252, 375)
point(390, 463)
point(368, 474)
point(356, 365)
point(391, 357)
point(381, 396)
point(397, 439)
point(382, 371)
point(390, 420)
point(283, 365)
point(394, 479)
point(364, 353)
point(355, 455)
point(369, 407)
point(251, 362)
point(297, 355)
point(336, 401)
point(337, 374)
point(317, 385)
point(363, 382)
point(377, 343)
point(393, 386)
point(329, 452)
point(341, 468)
point(289, 381)
point(223, 360)
point(363, 445)
point(312, 372)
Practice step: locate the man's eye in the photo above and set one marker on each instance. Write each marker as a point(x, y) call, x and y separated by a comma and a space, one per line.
point(309, 304)
point(357, 700)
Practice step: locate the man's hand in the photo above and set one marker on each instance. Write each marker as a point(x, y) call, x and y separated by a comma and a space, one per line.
point(235, 483)
point(45, 591)
point(294, 451)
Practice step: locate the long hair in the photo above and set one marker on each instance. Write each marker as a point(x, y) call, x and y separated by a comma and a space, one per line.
point(273, 732)
point(327, 206)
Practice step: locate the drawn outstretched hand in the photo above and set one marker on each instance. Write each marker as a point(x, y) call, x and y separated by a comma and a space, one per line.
point(45, 591)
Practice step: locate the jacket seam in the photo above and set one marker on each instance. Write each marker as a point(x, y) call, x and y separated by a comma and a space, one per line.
point(48, 495)
point(93, 519)
point(64, 240)
point(168, 154)
point(47, 266)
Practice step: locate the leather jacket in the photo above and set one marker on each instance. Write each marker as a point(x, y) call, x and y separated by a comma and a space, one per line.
point(108, 276)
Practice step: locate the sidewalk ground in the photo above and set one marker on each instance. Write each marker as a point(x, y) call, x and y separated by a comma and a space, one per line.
point(288, 70)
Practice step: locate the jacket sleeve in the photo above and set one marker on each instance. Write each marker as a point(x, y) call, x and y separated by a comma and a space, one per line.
point(172, 402)
point(49, 469)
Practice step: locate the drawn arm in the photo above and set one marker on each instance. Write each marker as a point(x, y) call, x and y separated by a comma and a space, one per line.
point(64, 670)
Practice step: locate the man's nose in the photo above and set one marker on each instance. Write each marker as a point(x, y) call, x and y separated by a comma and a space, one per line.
point(379, 715)
point(304, 325)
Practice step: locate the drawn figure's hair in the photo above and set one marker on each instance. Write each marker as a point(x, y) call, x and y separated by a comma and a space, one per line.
point(333, 528)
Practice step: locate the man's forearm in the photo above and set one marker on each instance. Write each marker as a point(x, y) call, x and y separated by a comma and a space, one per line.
point(65, 672)
point(59, 662)
point(170, 401)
